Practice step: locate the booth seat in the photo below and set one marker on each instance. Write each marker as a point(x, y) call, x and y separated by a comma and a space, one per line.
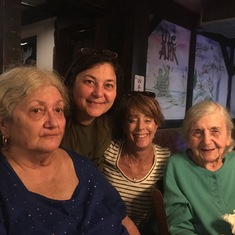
point(171, 138)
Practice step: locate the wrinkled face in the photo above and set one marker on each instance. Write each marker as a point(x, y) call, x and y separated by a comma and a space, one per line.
point(208, 138)
point(140, 130)
point(38, 121)
point(94, 92)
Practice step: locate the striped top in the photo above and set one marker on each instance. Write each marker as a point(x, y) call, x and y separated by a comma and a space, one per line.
point(137, 194)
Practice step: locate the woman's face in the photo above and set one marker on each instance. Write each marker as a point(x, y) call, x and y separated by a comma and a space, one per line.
point(38, 122)
point(94, 92)
point(208, 138)
point(140, 130)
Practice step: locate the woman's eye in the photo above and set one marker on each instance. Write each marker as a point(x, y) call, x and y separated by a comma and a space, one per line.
point(131, 120)
point(148, 120)
point(59, 110)
point(197, 133)
point(36, 110)
point(109, 86)
point(89, 82)
point(214, 131)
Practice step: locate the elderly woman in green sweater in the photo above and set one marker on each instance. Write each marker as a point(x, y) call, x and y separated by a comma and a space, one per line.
point(200, 184)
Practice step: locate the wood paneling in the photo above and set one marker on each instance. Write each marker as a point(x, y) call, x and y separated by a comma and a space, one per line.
point(10, 29)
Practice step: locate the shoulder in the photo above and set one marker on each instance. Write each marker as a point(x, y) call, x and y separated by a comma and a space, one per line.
point(114, 146)
point(230, 155)
point(159, 150)
point(112, 152)
point(87, 171)
point(6, 171)
point(230, 158)
point(79, 160)
point(177, 160)
point(103, 120)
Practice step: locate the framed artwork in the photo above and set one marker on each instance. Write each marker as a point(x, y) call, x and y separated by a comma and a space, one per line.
point(232, 99)
point(29, 50)
point(167, 68)
point(210, 73)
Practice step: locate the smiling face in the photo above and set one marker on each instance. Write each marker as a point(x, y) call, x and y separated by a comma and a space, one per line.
point(38, 122)
point(140, 130)
point(208, 138)
point(94, 92)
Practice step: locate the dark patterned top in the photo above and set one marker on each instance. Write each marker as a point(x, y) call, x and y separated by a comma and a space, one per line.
point(94, 209)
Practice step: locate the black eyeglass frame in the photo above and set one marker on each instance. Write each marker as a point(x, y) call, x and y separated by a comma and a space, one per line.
point(144, 93)
point(93, 51)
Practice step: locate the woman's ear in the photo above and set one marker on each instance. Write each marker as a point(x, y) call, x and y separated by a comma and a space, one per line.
point(3, 126)
point(156, 128)
point(229, 139)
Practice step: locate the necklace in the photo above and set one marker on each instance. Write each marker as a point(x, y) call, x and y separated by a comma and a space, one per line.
point(135, 177)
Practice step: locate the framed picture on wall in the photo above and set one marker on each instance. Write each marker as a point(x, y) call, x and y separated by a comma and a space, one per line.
point(167, 68)
point(232, 99)
point(210, 73)
point(29, 50)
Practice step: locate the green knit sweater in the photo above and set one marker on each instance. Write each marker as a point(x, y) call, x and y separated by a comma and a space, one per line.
point(196, 198)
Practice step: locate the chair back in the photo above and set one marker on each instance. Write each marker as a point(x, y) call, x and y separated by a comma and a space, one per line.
point(160, 212)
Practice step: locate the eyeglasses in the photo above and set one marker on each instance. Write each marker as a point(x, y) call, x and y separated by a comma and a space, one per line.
point(144, 93)
point(93, 51)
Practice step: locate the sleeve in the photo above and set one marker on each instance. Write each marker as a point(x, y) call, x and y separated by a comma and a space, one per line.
point(178, 208)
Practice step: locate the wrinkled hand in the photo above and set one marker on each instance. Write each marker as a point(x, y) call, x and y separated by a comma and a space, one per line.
point(230, 218)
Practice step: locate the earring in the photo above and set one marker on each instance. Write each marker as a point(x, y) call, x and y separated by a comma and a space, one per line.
point(4, 140)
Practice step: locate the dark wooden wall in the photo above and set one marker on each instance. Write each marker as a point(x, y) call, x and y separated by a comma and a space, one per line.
point(10, 31)
point(121, 25)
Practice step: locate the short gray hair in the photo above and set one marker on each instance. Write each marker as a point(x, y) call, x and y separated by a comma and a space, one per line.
point(204, 108)
point(18, 82)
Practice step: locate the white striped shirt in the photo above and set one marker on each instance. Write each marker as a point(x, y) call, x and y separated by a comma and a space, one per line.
point(136, 194)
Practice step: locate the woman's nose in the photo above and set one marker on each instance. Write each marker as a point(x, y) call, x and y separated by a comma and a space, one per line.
point(140, 124)
point(98, 91)
point(206, 137)
point(51, 120)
